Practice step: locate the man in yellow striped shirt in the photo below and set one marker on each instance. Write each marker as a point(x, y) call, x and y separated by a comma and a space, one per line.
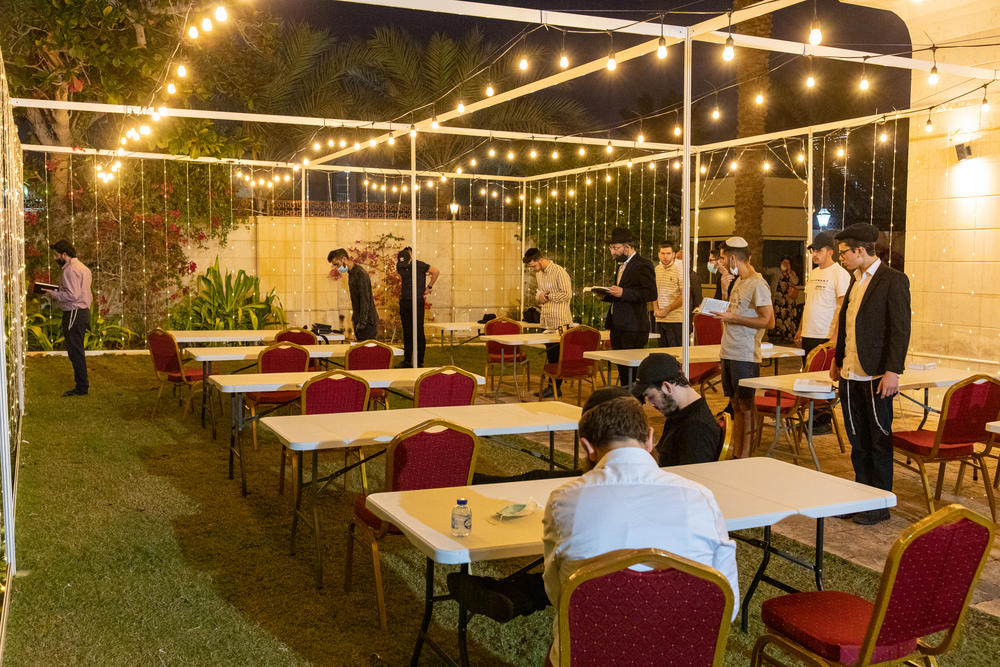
point(553, 294)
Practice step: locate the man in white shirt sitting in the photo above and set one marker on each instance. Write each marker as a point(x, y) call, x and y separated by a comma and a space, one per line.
point(626, 502)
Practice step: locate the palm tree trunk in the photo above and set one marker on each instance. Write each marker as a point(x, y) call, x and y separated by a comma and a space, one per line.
point(751, 120)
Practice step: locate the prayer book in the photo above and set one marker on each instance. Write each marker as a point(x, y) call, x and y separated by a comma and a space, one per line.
point(42, 288)
point(809, 385)
point(597, 289)
point(711, 306)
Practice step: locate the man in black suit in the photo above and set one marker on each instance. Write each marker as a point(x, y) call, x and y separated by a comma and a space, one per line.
point(872, 338)
point(634, 288)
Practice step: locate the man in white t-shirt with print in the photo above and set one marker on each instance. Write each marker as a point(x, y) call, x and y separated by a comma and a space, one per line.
point(825, 289)
point(750, 313)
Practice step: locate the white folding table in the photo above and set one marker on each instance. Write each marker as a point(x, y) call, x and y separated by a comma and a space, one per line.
point(697, 354)
point(752, 493)
point(993, 427)
point(355, 430)
point(239, 384)
point(207, 355)
point(477, 327)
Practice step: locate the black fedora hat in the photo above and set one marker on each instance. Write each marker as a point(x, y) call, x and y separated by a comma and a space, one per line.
point(621, 235)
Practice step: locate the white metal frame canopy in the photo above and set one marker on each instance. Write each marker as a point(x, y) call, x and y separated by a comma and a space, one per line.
point(706, 31)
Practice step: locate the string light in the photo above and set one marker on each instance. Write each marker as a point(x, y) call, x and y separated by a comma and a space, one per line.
point(343, 142)
point(563, 58)
point(716, 114)
point(193, 32)
point(929, 126)
point(371, 142)
point(759, 99)
point(641, 138)
point(840, 151)
point(555, 155)
point(733, 165)
point(677, 130)
point(316, 146)
point(800, 158)
point(461, 107)
point(607, 178)
point(728, 53)
point(932, 79)
point(510, 155)
point(766, 166)
point(221, 14)
point(533, 154)
point(206, 25)
point(489, 90)
point(612, 63)
point(413, 130)
point(434, 123)
point(391, 140)
point(883, 137)
point(330, 142)
point(171, 88)
point(815, 35)
point(472, 162)
point(677, 164)
point(810, 81)
point(609, 148)
point(182, 71)
point(581, 151)
point(863, 85)
point(985, 106)
point(492, 152)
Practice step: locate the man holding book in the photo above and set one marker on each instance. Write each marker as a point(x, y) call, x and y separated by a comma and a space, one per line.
point(74, 298)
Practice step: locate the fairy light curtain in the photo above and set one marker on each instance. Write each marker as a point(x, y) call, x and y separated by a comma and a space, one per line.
point(12, 303)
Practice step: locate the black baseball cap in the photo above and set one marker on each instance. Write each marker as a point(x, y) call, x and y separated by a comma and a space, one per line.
point(654, 370)
point(823, 240)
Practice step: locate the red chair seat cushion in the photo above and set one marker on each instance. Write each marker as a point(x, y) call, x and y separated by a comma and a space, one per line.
point(507, 357)
point(376, 393)
point(832, 624)
point(571, 369)
point(362, 512)
point(273, 396)
point(701, 372)
point(769, 404)
point(190, 375)
point(922, 442)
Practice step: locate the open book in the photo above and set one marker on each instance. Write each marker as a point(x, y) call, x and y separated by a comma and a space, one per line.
point(42, 288)
point(597, 289)
point(711, 306)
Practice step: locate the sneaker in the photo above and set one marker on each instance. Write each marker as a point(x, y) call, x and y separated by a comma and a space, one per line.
point(871, 517)
point(75, 392)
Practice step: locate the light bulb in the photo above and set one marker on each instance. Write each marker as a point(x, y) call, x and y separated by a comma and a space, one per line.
point(704, 169)
point(815, 35)
point(677, 164)
point(510, 155)
point(733, 165)
point(371, 143)
point(156, 116)
point(206, 25)
point(652, 165)
point(801, 157)
point(677, 130)
point(716, 113)
point(766, 166)
point(555, 155)
point(728, 53)
point(932, 79)
point(661, 50)
point(840, 152)
point(171, 88)
point(759, 99)
point(589, 181)
point(316, 146)
point(434, 123)
point(533, 154)
point(523, 64)
point(305, 161)
point(182, 71)
point(538, 200)
point(607, 178)
point(608, 148)
point(489, 90)
point(492, 152)
point(461, 107)
point(144, 129)
point(357, 145)
point(811, 81)
point(342, 143)
point(883, 137)
point(563, 61)
point(612, 63)
point(162, 111)
point(221, 14)
point(193, 32)
point(472, 162)
point(458, 170)
point(571, 193)
point(330, 143)
point(287, 178)
point(629, 163)
point(864, 83)
point(985, 105)
point(413, 130)
point(581, 151)
point(641, 138)
point(929, 127)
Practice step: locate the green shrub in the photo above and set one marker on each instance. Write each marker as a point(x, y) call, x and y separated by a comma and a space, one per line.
point(227, 302)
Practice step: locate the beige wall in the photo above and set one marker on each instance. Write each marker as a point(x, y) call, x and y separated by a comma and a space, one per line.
point(479, 263)
point(785, 214)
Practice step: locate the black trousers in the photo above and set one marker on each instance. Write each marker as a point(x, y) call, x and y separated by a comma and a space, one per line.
point(808, 344)
point(367, 332)
point(671, 333)
point(75, 324)
point(868, 420)
point(552, 356)
point(406, 315)
point(627, 340)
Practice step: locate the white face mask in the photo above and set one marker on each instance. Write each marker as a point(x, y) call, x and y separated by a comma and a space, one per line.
point(734, 271)
point(712, 268)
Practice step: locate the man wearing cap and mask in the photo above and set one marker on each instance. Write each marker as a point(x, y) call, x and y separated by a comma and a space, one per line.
point(364, 315)
point(750, 313)
point(74, 298)
point(873, 335)
point(404, 267)
point(690, 432)
point(634, 288)
point(825, 289)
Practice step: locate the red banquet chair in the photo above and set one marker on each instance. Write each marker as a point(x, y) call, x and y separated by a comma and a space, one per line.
point(276, 358)
point(432, 455)
point(676, 613)
point(370, 355)
point(572, 365)
point(725, 422)
point(299, 337)
point(169, 367)
point(967, 407)
point(927, 583)
point(448, 385)
point(707, 331)
point(501, 355)
point(329, 393)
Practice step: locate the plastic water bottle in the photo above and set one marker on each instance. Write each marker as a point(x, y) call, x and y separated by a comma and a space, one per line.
point(461, 518)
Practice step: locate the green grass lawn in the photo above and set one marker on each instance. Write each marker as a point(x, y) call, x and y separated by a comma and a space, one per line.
point(134, 548)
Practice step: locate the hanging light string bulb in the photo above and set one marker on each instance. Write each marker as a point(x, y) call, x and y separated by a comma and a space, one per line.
point(661, 49)
point(932, 78)
point(811, 79)
point(728, 53)
point(929, 126)
point(612, 62)
point(815, 34)
point(863, 85)
point(716, 114)
point(985, 106)
point(522, 63)
point(563, 58)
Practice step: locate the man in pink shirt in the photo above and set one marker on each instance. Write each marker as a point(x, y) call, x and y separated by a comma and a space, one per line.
point(73, 297)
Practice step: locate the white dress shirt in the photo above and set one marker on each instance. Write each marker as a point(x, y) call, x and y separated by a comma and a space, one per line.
point(627, 502)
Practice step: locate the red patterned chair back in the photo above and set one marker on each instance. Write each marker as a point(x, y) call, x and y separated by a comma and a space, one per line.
point(929, 577)
point(333, 392)
point(572, 345)
point(368, 355)
point(707, 330)
point(499, 327)
point(448, 385)
point(967, 407)
point(676, 613)
point(163, 348)
point(821, 357)
point(431, 455)
point(283, 358)
point(297, 336)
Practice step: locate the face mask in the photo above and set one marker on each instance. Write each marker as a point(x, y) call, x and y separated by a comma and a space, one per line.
point(342, 269)
point(712, 268)
point(734, 271)
point(60, 261)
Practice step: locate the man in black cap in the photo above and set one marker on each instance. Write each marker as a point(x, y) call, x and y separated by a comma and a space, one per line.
point(690, 432)
point(634, 288)
point(872, 338)
point(825, 290)
point(73, 297)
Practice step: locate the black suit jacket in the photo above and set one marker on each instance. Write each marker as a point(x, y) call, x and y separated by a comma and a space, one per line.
point(629, 312)
point(882, 327)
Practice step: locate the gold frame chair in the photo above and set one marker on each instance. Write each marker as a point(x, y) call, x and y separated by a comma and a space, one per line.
point(444, 370)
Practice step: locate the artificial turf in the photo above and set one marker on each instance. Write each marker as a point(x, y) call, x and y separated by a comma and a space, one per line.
point(133, 547)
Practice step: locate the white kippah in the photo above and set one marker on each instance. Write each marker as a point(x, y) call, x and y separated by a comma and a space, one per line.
point(736, 242)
